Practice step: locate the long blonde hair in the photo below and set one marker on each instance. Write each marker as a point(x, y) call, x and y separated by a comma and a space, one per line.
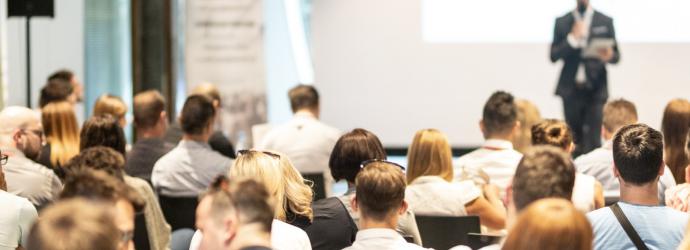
point(429, 154)
point(62, 131)
point(281, 179)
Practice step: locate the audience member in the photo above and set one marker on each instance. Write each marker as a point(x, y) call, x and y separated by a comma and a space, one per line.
point(218, 141)
point(98, 185)
point(588, 194)
point(57, 89)
point(16, 216)
point(432, 192)
point(21, 136)
point(62, 136)
point(77, 93)
point(103, 131)
point(638, 160)
point(77, 224)
point(528, 115)
point(551, 223)
point(349, 152)
point(150, 122)
point(239, 217)
point(599, 162)
point(188, 169)
point(380, 200)
point(496, 157)
point(112, 162)
point(306, 140)
point(108, 104)
point(676, 127)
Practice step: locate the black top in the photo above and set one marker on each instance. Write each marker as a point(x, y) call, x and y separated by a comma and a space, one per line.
point(217, 141)
point(332, 227)
point(44, 159)
point(143, 156)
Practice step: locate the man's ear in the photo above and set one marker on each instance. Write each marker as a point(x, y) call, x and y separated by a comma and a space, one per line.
point(481, 126)
point(403, 208)
point(17, 136)
point(663, 168)
point(615, 172)
point(229, 227)
point(164, 116)
point(353, 203)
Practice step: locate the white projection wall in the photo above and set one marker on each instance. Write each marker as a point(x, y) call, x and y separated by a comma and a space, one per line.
point(531, 21)
point(377, 68)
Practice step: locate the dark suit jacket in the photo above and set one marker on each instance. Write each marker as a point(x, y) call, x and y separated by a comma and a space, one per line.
point(595, 69)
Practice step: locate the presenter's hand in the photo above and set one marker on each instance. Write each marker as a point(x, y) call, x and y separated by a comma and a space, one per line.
point(578, 30)
point(605, 55)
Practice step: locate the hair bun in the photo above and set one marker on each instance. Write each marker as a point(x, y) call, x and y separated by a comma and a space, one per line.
point(555, 132)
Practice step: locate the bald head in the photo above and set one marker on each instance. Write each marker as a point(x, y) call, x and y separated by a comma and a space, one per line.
point(15, 117)
point(209, 90)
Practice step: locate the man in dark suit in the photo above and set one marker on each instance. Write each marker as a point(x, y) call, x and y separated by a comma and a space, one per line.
point(583, 83)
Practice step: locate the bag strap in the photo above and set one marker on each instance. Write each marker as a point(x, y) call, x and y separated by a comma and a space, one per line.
point(629, 230)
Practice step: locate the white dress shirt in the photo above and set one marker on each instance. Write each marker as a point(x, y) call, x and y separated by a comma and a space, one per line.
point(434, 196)
point(381, 239)
point(307, 142)
point(16, 217)
point(28, 179)
point(188, 169)
point(497, 158)
point(599, 164)
point(283, 237)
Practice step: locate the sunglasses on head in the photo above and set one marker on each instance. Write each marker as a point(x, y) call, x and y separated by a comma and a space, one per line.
point(249, 151)
point(367, 162)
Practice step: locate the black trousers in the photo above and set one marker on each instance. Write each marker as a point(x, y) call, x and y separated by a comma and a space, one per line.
point(583, 113)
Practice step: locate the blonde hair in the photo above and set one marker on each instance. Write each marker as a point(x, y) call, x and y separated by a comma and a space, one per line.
point(528, 115)
point(62, 131)
point(281, 179)
point(551, 223)
point(429, 154)
point(110, 104)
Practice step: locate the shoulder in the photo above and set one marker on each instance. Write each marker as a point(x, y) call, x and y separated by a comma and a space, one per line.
point(286, 234)
point(567, 17)
point(600, 216)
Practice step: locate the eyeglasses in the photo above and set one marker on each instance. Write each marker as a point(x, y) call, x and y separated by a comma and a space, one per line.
point(126, 236)
point(36, 132)
point(3, 158)
point(367, 162)
point(249, 151)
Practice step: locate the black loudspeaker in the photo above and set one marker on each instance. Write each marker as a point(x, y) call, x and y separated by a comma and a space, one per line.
point(32, 8)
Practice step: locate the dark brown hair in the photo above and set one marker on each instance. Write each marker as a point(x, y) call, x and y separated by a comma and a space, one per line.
point(56, 89)
point(98, 158)
point(675, 126)
point(148, 106)
point(197, 113)
point(380, 190)
point(102, 131)
point(552, 132)
point(544, 171)
point(100, 186)
point(500, 113)
point(638, 153)
point(303, 96)
point(351, 150)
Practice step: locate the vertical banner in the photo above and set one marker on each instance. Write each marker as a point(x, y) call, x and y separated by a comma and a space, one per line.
point(224, 46)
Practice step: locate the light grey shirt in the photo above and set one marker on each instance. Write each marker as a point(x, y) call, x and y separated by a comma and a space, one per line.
point(599, 164)
point(28, 179)
point(188, 169)
point(381, 239)
point(16, 217)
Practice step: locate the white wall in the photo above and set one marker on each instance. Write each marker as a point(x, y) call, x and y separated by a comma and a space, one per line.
point(375, 71)
point(56, 43)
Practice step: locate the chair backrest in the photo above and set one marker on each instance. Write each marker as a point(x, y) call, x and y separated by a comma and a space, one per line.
point(319, 187)
point(180, 212)
point(445, 232)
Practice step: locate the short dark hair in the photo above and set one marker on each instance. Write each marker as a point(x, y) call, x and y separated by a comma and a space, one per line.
point(55, 90)
point(148, 106)
point(552, 132)
point(75, 224)
point(618, 113)
point(102, 131)
point(638, 153)
point(197, 113)
point(544, 172)
point(303, 96)
point(99, 186)
point(247, 197)
point(98, 158)
point(63, 74)
point(500, 113)
point(380, 190)
point(351, 150)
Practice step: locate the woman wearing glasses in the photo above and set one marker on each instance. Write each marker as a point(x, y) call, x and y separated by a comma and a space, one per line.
point(430, 189)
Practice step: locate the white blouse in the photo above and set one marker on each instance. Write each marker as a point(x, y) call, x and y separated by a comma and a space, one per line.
point(432, 195)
